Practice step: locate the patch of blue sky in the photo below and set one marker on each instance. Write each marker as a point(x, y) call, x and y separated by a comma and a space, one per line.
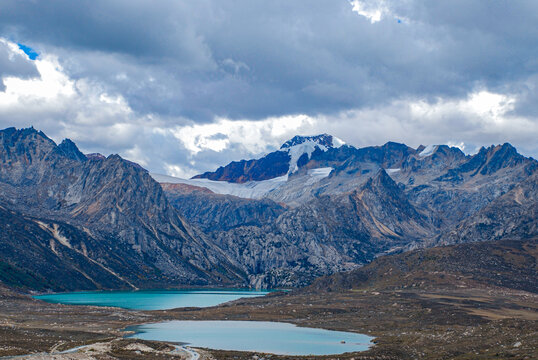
point(32, 54)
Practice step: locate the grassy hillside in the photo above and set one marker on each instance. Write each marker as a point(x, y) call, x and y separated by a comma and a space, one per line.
point(506, 263)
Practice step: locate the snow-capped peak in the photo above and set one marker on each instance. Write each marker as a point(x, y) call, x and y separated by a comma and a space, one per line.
point(300, 145)
point(324, 139)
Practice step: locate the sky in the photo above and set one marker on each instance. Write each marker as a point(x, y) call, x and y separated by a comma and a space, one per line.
point(185, 86)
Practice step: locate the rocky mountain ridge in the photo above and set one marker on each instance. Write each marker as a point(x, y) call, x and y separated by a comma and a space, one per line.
point(292, 154)
point(369, 202)
point(109, 224)
point(113, 204)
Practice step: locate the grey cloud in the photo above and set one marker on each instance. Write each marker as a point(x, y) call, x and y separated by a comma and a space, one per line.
point(302, 56)
point(13, 64)
point(192, 61)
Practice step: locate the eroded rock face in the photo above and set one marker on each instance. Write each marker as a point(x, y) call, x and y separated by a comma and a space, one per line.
point(376, 200)
point(280, 246)
point(115, 202)
point(46, 255)
point(513, 215)
point(109, 224)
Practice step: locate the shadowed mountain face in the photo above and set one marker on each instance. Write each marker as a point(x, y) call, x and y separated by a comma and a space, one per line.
point(111, 204)
point(271, 166)
point(46, 255)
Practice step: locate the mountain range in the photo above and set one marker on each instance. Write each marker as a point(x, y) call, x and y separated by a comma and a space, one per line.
point(314, 207)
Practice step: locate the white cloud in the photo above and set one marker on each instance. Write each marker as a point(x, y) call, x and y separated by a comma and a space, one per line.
point(52, 84)
point(77, 109)
point(481, 118)
point(376, 10)
point(460, 145)
point(255, 136)
point(101, 120)
point(373, 12)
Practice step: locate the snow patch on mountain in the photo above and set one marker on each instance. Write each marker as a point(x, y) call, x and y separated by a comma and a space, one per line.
point(428, 150)
point(392, 171)
point(249, 190)
point(315, 175)
point(297, 151)
point(300, 145)
point(337, 142)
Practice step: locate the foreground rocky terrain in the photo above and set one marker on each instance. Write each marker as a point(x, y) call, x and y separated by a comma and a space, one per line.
point(468, 310)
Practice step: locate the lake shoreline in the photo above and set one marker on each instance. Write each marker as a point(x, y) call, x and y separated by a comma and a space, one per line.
point(279, 338)
point(151, 299)
point(30, 325)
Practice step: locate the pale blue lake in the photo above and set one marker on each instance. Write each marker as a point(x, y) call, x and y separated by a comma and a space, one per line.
point(150, 300)
point(259, 336)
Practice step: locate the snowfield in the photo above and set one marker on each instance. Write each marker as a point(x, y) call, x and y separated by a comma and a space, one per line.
point(249, 190)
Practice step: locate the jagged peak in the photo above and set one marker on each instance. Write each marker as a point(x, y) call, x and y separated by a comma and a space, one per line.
point(117, 160)
point(504, 150)
point(14, 133)
point(494, 148)
point(501, 156)
point(96, 156)
point(507, 147)
point(302, 147)
point(394, 145)
point(70, 150)
point(324, 140)
point(380, 180)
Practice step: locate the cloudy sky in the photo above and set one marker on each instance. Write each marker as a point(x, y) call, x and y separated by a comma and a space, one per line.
point(184, 86)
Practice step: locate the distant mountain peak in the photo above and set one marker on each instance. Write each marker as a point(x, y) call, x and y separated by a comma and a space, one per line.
point(325, 140)
point(300, 148)
point(381, 180)
point(16, 134)
point(95, 156)
point(69, 149)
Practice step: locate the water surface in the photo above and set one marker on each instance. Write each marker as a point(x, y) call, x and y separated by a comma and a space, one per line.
point(259, 336)
point(150, 300)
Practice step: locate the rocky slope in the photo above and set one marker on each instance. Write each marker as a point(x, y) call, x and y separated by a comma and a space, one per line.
point(44, 255)
point(314, 207)
point(343, 206)
point(513, 215)
point(511, 264)
point(278, 246)
point(114, 202)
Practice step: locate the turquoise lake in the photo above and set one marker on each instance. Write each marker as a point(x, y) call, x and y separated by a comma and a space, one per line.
point(150, 300)
point(260, 336)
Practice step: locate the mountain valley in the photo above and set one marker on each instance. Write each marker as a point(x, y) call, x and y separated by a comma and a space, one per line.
point(314, 207)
